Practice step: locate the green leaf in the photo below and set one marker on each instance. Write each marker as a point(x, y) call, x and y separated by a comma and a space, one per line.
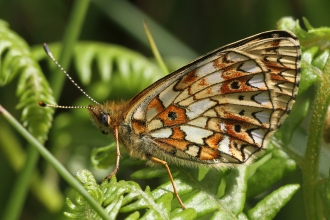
point(266, 176)
point(271, 204)
point(235, 194)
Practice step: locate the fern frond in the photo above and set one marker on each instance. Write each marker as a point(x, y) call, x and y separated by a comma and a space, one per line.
point(17, 61)
point(122, 197)
point(210, 193)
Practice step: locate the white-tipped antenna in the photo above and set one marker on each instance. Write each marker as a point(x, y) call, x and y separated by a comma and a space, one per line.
point(46, 48)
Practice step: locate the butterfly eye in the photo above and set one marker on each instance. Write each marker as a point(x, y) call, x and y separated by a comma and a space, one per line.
point(104, 119)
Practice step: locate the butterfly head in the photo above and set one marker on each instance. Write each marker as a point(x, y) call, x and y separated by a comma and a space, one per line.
point(101, 118)
point(108, 116)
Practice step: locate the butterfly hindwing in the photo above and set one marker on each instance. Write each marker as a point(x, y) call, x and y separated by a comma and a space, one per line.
point(222, 107)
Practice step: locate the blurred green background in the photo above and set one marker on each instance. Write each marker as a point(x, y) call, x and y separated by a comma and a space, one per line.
point(182, 30)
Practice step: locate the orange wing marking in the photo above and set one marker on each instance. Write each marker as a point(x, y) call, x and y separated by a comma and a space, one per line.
point(173, 116)
point(154, 108)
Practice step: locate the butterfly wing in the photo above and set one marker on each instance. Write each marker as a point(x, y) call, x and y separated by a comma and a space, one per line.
point(222, 107)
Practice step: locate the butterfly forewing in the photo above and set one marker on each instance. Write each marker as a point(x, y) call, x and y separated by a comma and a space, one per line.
point(222, 107)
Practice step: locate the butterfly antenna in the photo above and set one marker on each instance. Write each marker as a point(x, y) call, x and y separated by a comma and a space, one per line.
point(42, 104)
point(49, 53)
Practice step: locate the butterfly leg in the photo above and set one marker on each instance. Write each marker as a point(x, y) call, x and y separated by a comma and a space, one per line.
point(154, 159)
point(118, 155)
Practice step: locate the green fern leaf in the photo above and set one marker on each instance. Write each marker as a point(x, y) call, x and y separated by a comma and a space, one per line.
point(122, 197)
point(18, 61)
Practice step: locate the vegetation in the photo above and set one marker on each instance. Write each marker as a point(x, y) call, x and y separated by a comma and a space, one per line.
point(290, 181)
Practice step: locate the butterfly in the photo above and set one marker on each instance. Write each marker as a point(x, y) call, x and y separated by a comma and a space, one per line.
point(220, 109)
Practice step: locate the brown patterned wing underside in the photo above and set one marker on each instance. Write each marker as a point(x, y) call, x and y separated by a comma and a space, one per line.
point(223, 107)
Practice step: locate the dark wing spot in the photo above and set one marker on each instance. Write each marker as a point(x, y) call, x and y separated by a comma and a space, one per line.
point(241, 97)
point(241, 113)
point(172, 115)
point(237, 128)
point(235, 85)
point(266, 59)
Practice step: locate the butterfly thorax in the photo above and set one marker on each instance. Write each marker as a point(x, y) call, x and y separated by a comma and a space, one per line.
point(108, 116)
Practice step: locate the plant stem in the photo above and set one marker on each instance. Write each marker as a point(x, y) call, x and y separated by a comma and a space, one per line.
point(312, 155)
point(66, 175)
point(21, 186)
point(155, 50)
point(70, 37)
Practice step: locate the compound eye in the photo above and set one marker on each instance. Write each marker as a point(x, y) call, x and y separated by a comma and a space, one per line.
point(104, 119)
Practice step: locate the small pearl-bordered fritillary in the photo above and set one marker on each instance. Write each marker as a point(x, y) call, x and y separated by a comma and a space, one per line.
point(219, 109)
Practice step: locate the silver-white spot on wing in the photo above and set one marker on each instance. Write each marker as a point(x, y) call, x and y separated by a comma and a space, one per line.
point(262, 98)
point(224, 145)
point(198, 122)
point(168, 95)
point(236, 57)
point(161, 133)
point(154, 124)
point(250, 67)
point(197, 108)
point(258, 81)
point(195, 135)
point(258, 136)
point(193, 150)
point(263, 117)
